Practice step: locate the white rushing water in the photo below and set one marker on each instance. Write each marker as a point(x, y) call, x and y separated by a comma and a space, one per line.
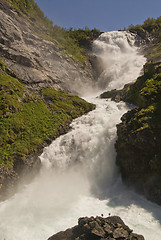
point(78, 175)
point(119, 59)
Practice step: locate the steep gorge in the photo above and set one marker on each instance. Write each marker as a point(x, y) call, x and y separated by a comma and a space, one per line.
point(32, 70)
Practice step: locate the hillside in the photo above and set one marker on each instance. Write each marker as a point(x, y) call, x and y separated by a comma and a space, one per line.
point(36, 63)
point(150, 33)
point(72, 42)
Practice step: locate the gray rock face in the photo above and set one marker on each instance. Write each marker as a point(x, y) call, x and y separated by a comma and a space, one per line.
point(37, 62)
point(110, 228)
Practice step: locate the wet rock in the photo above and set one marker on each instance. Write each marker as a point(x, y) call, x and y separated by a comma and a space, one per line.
point(116, 95)
point(97, 230)
point(120, 233)
point(66, 235)
point(107, 229)
point(136, 236)
point(111, 228)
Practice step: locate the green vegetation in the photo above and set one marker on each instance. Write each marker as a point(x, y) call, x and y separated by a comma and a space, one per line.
point(32, 10)
point(75, 42)
point(151, 26)
point(150, 31)
point(28, 120)
point(84, 36)
point(71, 42)
point(70, 105)
point(146, 94)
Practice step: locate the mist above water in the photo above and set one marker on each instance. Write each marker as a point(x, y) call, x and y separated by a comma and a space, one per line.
point(78, 175)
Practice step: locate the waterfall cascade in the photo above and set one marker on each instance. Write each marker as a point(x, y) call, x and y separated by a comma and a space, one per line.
point(78, 175)
point(120, 61)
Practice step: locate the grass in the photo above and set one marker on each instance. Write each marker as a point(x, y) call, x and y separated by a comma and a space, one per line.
point(28, 120)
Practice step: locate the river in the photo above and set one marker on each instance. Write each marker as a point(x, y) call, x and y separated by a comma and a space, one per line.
point(78, 175)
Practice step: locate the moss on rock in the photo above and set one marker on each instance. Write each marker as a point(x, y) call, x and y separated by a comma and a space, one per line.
point(139, 135)
point(146, 94)
point(27, 120)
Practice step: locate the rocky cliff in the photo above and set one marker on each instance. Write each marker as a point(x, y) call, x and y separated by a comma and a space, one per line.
point(109, 228)
point(139, 136)
point(138, 157)
point(35, 73)
point(37, 62)
point(139, 133)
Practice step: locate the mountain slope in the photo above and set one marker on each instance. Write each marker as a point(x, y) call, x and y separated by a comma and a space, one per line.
point(32, 69)
point(71, 42)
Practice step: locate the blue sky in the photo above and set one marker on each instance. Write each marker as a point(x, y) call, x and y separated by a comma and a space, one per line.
point(106, 15)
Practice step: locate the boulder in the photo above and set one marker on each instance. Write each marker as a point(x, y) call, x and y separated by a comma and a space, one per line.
point(99, 228)
point(116, 95)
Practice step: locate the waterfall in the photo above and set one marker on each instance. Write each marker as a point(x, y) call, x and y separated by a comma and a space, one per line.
point(120, 61)
point(78, 175)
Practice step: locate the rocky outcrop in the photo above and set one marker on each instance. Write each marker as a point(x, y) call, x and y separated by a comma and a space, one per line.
point(139, 138)
point(110, 228)
point(138, 144)
point(138, 157)
point(116, 95)
point(38, 62)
